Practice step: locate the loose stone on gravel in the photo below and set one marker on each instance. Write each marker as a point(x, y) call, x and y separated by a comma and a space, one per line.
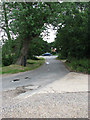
point(49, 105)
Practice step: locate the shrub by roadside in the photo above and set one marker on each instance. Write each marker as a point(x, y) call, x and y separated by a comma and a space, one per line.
point(78, 65)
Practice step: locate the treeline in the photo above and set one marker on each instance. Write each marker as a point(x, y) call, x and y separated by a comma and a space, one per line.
point(72, 36)
point(26, 21)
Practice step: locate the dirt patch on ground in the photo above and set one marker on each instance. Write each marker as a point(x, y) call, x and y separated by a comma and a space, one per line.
point(10, 94)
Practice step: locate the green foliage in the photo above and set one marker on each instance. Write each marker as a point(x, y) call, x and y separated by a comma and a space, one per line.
point(28, 18)
point(72, 35)
point(7, 60)
point(80, 65)
point(11, 51)
point(72, 41)
point(60, 56)
point(38, 47)
point(53, 53)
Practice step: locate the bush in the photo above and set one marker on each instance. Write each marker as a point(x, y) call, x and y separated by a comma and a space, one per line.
point(53, 53)
point(33, 57)
point(79, 65)
point(61, 57)
point(7, 60)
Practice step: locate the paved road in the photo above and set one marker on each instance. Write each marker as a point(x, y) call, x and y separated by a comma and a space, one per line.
point(51, 71)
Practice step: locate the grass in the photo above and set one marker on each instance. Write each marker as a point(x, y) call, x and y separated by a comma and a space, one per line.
point(81, 65)
point(31, 64)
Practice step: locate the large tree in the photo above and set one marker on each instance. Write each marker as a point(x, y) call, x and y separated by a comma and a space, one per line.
point(28, 21)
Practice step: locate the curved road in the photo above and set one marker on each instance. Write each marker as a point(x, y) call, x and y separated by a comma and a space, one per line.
point(51, 71)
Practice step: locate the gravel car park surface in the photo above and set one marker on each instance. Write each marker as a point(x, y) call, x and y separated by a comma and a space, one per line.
point(51, 105)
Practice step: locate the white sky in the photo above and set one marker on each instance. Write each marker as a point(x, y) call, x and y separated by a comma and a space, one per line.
point(49, 34)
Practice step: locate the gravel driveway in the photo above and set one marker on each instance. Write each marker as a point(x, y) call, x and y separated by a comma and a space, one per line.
point(48, 105)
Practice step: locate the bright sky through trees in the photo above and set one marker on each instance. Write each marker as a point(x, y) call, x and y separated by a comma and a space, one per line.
point(49, 34)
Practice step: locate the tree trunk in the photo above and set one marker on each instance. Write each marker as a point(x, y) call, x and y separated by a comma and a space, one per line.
point(23, 53)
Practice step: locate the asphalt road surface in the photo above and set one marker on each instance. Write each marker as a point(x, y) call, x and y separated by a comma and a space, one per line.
point(51, 71)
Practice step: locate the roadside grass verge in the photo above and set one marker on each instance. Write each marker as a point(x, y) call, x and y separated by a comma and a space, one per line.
point(31, 64)
point(75, 65)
